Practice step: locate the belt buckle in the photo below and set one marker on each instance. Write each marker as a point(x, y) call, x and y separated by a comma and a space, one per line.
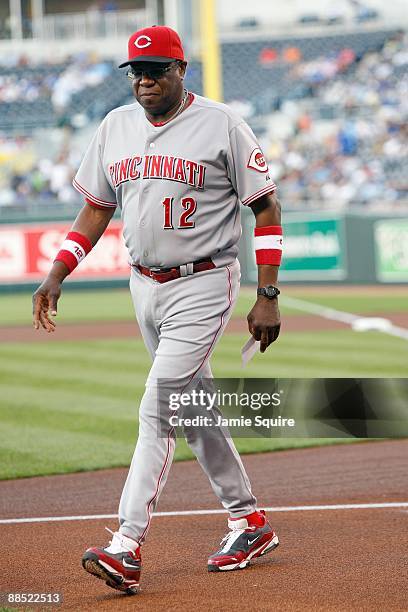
point(153, 271)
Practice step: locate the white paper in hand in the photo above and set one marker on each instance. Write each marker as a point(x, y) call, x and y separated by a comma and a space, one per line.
point(249, 349)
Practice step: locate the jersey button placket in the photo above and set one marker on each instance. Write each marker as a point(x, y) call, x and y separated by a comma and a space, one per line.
point(142, 223)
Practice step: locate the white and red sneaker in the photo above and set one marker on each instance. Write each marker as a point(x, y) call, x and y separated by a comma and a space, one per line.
point(119, 564)
point(249, 538)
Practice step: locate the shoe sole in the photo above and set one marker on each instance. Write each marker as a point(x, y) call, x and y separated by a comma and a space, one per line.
point(92, 565)
point(258, 552)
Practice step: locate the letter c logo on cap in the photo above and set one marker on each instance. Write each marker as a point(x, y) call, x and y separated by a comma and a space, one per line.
point(143, 41)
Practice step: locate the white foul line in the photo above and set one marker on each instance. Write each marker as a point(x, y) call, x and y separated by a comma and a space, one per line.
point(92, 517)
point(356, 322)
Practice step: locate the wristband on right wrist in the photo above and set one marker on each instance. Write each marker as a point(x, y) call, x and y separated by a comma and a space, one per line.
point(73, 250)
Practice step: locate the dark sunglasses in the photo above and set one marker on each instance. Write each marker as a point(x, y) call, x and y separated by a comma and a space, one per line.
point(135, 74)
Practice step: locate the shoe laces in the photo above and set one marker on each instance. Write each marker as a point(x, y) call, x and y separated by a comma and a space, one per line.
point(118, 536)
point(236, 529)
point(233, 535)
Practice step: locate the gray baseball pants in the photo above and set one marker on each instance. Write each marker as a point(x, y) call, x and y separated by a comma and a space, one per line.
point(181, 322)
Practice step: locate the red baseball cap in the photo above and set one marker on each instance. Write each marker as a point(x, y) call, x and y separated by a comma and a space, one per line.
point(154, 44)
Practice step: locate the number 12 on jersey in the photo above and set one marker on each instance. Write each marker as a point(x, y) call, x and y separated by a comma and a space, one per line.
point(188, 204)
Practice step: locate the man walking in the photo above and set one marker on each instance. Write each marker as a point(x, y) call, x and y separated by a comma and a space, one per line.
point(178, 165)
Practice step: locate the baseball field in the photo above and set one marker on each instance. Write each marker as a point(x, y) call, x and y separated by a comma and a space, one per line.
point(69, 404)
point(69, 399)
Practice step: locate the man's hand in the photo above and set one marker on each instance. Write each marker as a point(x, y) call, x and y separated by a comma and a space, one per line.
point(91, 222)
point(45, 301)
point(264, 321)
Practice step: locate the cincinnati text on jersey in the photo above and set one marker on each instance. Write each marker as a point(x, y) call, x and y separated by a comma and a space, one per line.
point(157, 167)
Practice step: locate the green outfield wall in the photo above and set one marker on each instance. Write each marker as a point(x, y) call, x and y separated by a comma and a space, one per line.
point(327, 247)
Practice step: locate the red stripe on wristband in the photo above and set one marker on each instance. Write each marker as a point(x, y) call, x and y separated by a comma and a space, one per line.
point(68, 259)
point(75, 247)
point(82, 240)
point(268, 236)
point(268, 230)
point(270, 257)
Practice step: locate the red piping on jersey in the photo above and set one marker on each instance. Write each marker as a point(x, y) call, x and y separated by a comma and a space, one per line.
point(98, 206)
point(216, 334)
point(190, 100)
point(92, 197)
point(269, 189)
point(218, 330)
point(172, 429)
point(149, 514)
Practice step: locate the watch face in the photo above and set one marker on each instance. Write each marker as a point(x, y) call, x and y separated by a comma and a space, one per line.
point(269, 291)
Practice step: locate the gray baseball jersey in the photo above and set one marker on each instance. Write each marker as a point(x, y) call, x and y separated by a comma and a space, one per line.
point(178, 185)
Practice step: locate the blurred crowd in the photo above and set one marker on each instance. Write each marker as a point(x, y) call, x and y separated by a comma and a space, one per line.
point(26, 177)
point(26, 174)
point(55, 82)
point(359, 153)
point(347, 162)
point(344, 143)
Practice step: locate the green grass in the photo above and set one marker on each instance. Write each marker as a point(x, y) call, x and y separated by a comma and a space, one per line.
point(341, 353)
point(355, 301)
point(116, 304)
point(74, 306)
point(358, 304)
point(72, 406)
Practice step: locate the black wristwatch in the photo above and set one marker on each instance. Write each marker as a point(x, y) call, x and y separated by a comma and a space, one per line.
point(269, 291)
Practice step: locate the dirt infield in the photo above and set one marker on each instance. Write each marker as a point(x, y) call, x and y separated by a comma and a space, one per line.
point(129, 329)
point(335, 559)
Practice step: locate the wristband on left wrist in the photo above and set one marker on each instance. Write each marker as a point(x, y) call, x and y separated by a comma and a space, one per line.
point(268, 243)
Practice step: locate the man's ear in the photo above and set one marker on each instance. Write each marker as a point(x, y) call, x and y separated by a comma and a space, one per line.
point(183, 68)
